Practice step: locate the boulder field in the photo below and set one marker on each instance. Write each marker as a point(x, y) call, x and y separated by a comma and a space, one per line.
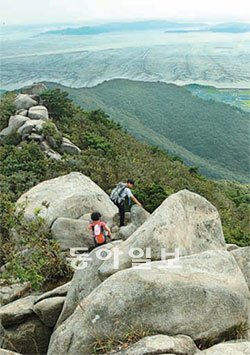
point(169, 277)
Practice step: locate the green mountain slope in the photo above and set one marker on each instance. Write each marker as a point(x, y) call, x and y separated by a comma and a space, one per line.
point(211, 135)
point(108, 155)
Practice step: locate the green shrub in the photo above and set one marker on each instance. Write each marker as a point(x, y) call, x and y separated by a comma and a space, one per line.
point(29, 252)
point(99, 116)
point(193, 170)
point(97, 142)
point(50, 130)
point(28, 157)
point(151, 195)
point(176, 158)
point(21, 168)
point(7, 109)
point(58, 104)
point(12, 139)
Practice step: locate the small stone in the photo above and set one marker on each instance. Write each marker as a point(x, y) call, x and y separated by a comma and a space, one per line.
point(231, 247)
point(22, 112)
point(13, 292)
point(17, 311)
point(49, 309)
point(31, 125)
point(68, 147)
point(53, 155)
point(35, 137)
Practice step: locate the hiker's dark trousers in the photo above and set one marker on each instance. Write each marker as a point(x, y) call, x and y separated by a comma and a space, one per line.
point(121, 207)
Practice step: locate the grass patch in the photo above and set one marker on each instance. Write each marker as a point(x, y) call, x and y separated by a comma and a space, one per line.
point(117, 343)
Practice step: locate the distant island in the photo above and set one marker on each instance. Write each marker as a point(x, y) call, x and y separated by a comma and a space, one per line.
point(223, 28)
point(166, 26)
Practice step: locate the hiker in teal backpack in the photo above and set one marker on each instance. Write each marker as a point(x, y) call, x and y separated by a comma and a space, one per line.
point(118, 197)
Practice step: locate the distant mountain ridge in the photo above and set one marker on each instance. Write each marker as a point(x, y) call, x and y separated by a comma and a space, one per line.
point(150, 25)
point(207, 134)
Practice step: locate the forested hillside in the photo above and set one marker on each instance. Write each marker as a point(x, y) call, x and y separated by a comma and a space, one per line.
point(108, 155)
point(208, 134)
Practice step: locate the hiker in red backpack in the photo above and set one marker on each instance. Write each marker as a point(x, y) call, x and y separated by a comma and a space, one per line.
point(118, 197)
point(99, 229)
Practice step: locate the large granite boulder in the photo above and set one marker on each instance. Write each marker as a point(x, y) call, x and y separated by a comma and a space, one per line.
point(137, 217)
point(38, 113)
point(17, 121)
point(24, 102)
point(26, 324)
point(184, 221)
point(242, 256)
point(204, 297)
point(161, 344)
point(85, 280)
point(72, 233)
point(21, 329)
point(69, 196)
point(240, 348)
point(5, 132)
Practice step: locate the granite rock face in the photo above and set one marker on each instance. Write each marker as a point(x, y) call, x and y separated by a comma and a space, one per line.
point(242, 256)
point(68, 196)
point(185, 221)
point(204, 297)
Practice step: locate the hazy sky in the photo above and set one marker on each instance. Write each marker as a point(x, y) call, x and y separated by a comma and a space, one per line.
point(47, 11)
